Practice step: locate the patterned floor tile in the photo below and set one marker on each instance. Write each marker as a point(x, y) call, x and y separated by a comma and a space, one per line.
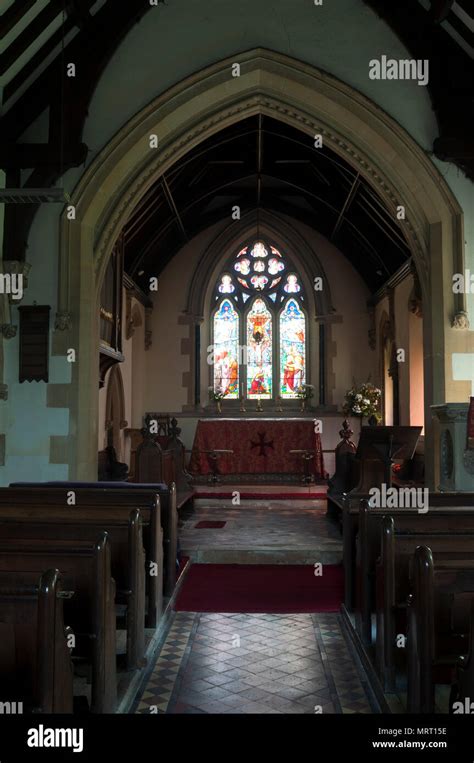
point(296, 664)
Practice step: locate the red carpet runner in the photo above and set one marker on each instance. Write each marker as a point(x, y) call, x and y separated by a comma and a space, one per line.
point(272, 588)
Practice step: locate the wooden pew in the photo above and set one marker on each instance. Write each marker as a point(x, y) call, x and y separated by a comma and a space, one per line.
point(35, 661)
point(438, 623)
point(165, 463)
point(150, 498)
point(85, 570)
point(350, 521)
point(153, 463)
point(127, 552)
point(447, 520)
point(157, 505)
point(393, 583)
point(463, 689)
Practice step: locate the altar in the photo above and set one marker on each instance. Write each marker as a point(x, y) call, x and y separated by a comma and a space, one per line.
point(259, 446)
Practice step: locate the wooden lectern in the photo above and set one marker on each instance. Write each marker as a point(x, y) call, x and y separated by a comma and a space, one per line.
point(377, 449)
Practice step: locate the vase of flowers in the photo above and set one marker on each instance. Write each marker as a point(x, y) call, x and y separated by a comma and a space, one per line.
point(217, 395)
point(363, 401)
point(304, 393)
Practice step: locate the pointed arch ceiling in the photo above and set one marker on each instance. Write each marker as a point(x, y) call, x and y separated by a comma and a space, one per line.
point(263, 164)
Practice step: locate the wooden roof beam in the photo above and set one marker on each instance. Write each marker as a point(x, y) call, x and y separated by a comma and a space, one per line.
point(10, 18)
point(174, 208)
point(27, 37)
point(90, 50)
point(29, 155)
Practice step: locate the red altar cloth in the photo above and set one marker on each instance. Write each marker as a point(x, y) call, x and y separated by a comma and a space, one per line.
point(261, 446)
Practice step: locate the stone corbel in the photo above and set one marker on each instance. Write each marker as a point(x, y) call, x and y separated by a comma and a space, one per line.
point(8, 331)
point(63, 321)
point(460, 321)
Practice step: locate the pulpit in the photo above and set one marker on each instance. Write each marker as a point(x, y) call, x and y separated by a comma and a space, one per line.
point(262, 448)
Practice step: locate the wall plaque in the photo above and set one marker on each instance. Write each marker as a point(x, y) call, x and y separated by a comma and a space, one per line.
point(34, 343)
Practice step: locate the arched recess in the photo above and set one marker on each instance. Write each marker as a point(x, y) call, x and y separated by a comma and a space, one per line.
point(293, 245)
point(389, 373)
point(197, 108)
point(115, 411)
point(415, 355)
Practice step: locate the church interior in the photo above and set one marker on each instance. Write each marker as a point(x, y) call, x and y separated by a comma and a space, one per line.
point(236, 357)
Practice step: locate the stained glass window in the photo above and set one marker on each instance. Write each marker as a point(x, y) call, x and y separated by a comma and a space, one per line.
point(226, 285)
point(259, 282)
point(275, 266)
point(259, 298)
point(259, 352)
point(292, 349)
point(243, 266)
point(292, 286)
point(226, 350)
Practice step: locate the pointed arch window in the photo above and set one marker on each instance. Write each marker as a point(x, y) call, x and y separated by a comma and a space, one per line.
point(292, 348)
point(226, 349)
point(259, 326)
point(259, 350)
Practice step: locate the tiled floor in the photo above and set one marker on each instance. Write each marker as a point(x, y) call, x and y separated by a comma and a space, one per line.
point(257, 663)
point(262, 531)
point(240, 663)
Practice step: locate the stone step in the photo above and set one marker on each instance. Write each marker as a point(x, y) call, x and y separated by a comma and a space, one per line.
point(263, 556)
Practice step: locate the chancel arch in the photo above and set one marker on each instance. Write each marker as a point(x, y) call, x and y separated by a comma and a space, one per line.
point(313, 102)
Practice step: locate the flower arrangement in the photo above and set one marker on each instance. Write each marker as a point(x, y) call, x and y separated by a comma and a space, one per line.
point(305, 392)
point(363, 401)
point(216, 394)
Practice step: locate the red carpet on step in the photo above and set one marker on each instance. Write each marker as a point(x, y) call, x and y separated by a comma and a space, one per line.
point(272, 588)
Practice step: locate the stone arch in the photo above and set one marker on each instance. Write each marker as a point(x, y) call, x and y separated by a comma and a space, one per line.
point(197, 108)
